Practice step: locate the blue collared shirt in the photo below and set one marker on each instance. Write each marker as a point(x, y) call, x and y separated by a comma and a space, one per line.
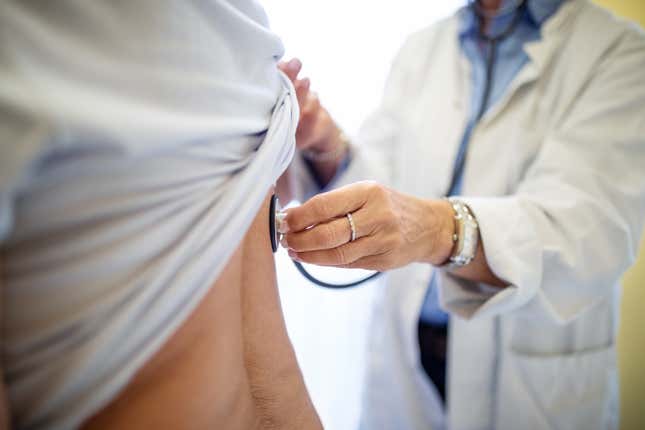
point(510, 59)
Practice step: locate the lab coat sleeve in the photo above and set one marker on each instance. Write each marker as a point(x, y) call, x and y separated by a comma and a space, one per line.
point(573, 226)
point(373, 154)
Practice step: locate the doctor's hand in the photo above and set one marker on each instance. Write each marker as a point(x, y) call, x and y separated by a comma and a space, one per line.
point(317, 135)
point(316, 129)
point(392, 229)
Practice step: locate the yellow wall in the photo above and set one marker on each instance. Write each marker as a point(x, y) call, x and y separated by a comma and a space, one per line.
point(631, 347)
point(631, 341)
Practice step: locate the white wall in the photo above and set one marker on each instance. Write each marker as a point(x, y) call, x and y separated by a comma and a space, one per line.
point(346, 47)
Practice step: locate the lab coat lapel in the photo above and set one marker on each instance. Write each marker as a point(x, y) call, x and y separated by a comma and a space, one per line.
point(449, 121)
point(540, 55)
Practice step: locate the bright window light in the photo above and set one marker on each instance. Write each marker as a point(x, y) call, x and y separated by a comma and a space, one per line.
point(347, 46)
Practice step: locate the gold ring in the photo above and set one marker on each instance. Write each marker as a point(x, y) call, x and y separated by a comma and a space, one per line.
point(352, 226)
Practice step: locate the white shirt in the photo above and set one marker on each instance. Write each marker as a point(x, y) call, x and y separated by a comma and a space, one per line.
point(137, 142)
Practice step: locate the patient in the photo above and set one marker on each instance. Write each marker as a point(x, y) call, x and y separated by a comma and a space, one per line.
point(139, 143)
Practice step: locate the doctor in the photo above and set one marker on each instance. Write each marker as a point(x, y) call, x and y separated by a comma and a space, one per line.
point(500, 305)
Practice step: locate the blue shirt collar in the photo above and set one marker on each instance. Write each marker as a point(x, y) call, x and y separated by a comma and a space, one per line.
point(537, 12)
point(541, 10)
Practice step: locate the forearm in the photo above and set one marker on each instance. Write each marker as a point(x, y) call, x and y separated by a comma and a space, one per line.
point(325, 169)
point(478, 270)
point(305, 177)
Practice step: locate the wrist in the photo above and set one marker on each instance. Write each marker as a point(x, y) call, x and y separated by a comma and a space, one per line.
point(442, 219)
point(329, 151)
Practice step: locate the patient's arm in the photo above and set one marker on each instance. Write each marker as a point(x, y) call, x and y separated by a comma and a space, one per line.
point(277, 385)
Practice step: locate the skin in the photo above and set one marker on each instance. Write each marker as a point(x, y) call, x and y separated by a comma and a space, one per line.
point(393, 228)
point(231, 364)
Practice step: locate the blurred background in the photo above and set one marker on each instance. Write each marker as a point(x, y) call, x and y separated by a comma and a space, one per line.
point(346, 48)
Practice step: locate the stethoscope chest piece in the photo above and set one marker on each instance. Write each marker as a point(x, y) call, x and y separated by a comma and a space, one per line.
point(274, 208)
point(275, 236)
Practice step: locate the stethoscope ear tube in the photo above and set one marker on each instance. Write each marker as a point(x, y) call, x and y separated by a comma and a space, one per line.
point(275, 240)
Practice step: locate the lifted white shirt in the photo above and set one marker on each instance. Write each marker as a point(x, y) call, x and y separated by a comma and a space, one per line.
point(137, 142)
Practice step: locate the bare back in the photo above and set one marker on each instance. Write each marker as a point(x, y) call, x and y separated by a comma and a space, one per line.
point(230, 365)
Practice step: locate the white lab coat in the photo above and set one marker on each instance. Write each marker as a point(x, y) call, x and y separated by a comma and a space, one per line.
point(556, 178)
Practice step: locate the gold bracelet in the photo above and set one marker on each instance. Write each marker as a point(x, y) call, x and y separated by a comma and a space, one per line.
point(328, 156)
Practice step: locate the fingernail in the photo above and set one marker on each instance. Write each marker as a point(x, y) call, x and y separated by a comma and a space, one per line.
point(306, 83)
point(293, 64)
point(281, 221)
point(293, 255)
point(283, 242)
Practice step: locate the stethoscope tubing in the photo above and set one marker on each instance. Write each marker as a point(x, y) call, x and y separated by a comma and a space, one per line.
point(324, 284)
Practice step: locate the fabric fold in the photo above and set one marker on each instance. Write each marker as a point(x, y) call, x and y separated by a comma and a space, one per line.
point(127, 207)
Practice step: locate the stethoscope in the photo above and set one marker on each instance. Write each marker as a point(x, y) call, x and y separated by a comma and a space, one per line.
point(274, 209)
point(493, 42)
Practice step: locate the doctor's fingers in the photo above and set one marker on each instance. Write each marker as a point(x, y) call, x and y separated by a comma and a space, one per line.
point(340, 256)
point(291, 68)
point(310, 106)
point(325, 207)
point(302, 91)
point(331, 234)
